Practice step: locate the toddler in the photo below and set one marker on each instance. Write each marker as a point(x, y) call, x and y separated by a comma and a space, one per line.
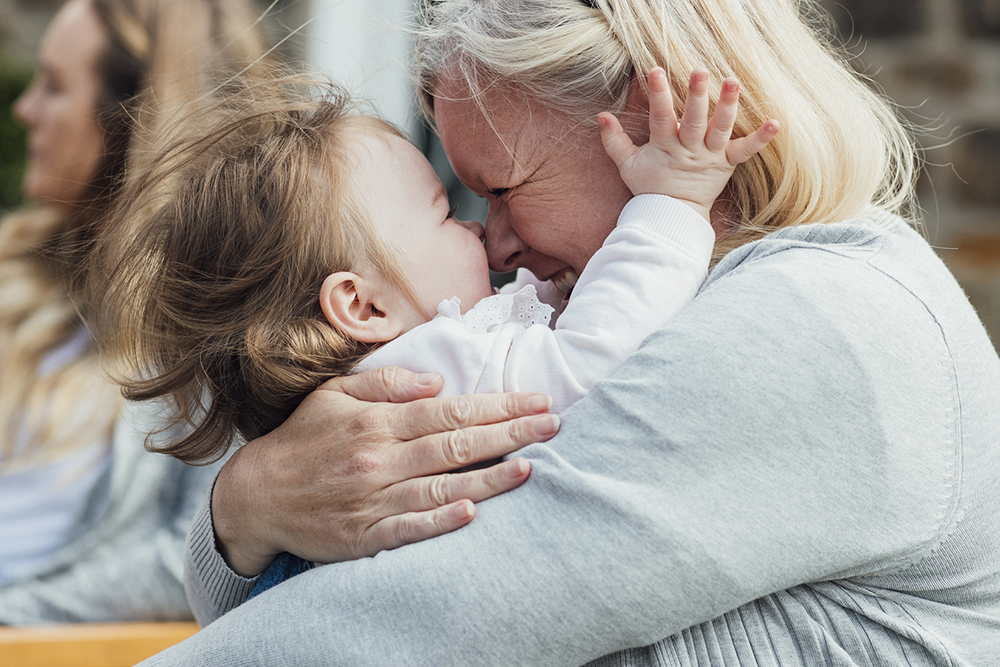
point(280, 240)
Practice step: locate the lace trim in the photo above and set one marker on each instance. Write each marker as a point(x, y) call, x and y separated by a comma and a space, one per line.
point(522, 307)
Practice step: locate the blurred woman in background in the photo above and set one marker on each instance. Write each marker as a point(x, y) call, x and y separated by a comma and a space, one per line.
point(91, 526)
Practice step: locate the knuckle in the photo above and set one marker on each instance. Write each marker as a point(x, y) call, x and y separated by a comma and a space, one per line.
point(458, 449)
point(370, 423)
point(389, 375)
point(458, 411)
point(438, 523)
point(364, 462)
point(413, 528)
point(434, 522)
point(437, 491)
point(402, 532)
point(361, 543)
point(521, 432)
point(494, 481)
point(512, 405)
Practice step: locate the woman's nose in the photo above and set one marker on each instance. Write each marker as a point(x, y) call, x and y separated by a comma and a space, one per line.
point(473, 227)
point(24, 107)
point(504, 248)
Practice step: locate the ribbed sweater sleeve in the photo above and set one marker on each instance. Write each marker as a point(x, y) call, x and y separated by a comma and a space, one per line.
point(212, 588)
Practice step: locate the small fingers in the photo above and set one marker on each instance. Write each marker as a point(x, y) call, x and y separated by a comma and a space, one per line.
point(720, 128)
point(396, 531)
point(662, 120)
point(617, 144)
point(741, 150)
point(695, 118)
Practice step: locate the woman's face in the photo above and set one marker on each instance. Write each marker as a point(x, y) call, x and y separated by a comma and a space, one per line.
point(553, 192)
point(59, 108)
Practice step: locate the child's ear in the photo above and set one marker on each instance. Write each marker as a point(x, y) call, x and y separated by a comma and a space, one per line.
point(349, 303)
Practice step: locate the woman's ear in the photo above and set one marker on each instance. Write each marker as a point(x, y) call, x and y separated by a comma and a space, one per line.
point(349, 303)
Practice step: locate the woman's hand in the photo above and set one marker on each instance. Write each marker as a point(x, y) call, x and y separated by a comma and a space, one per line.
point(691, 160)
point(362, 465)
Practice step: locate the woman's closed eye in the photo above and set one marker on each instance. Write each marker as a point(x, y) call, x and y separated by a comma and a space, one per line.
point(497, 192)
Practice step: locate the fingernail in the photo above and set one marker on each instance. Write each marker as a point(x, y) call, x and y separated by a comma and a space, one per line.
point(602, 121)
point(516, 468)
point(463, 510)
point(540, 403)
point(546, 425)
point(732, 86)
point(427, 379)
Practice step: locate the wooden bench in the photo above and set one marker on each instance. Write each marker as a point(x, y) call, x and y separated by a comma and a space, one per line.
point(88, 645)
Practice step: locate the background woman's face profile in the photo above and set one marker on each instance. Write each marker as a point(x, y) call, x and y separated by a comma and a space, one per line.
point(59, 108)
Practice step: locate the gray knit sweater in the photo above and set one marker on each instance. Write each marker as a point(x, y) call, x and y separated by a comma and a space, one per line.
point(803, 468)
point(124, 558)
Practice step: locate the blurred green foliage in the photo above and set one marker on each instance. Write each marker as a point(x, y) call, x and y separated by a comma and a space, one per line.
point(13, 80)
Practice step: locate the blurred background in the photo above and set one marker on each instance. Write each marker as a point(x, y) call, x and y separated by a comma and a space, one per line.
point(939, 60)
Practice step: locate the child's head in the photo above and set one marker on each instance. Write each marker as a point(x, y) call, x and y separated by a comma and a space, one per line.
point(438, 255)
point(268, 244)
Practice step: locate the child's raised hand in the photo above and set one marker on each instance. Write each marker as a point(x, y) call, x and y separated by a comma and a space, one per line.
point(691, 160)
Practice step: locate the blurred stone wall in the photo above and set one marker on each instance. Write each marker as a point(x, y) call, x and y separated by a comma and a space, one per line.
point(940, 61)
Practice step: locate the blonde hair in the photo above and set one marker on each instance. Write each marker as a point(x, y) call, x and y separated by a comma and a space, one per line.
point(213, 263)
point(841, 147)
point(170, 49)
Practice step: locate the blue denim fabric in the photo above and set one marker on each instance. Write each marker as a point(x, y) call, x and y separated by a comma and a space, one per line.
point(283, 567)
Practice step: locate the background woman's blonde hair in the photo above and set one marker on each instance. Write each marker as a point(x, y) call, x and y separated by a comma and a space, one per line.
point(167, 49)
point(841, 147)
point(211, 268)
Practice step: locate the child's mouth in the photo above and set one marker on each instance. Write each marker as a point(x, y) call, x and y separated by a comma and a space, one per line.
point(565, 280)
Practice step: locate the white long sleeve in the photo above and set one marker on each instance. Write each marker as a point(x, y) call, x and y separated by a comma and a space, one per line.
point(648, 270)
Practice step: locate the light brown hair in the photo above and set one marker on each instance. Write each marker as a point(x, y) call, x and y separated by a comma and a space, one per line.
point(214, 261)
point(163, 49)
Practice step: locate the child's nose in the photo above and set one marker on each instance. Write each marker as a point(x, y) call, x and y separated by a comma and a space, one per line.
point(473, 227)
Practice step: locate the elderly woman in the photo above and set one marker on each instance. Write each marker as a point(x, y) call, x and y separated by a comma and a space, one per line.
point(92, 528)
point(801, 469)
